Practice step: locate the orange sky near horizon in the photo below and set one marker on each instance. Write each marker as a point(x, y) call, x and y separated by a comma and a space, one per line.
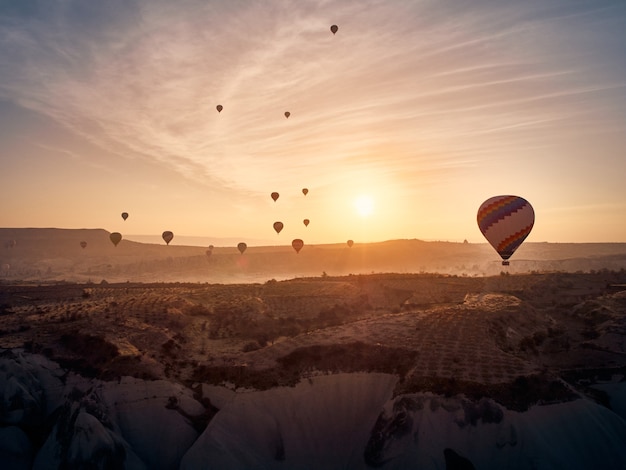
point(422, 109)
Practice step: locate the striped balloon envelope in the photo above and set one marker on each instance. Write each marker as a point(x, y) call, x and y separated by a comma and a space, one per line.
point(505, 221)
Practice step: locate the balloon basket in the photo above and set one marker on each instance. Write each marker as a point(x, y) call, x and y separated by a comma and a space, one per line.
point(505, 263)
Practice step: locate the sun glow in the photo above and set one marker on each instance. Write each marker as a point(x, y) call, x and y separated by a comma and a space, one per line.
point(364, 205)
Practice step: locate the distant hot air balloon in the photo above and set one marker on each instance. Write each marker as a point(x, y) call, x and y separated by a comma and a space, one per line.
point(167, 236)
point(275, 195)
point(115, 237)
point(305, 191)
point(334, 28)
point(297, 245)
point(211, 247)
point(306, 222)
point(278, 226)
point(124, 215)
point(219, 108)
point(287, 114)
point(242, 247)
point(83, 245)
point(505, 221)
point(350, 243)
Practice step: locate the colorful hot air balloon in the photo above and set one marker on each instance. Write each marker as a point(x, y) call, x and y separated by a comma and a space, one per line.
point(124, 215)
point(242, 247)
point(167, 236)
point(505, 221)
point(350, 243)
point(287, 114)
point(334, 28)
point(115, 237)
point(306, 222)
point(83, 245)
point(219, 108)
point(297, 245)
point(305, 191)
point(275, 195)
point(278, 226)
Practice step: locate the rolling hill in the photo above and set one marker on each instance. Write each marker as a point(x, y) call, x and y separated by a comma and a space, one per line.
point(51, 254)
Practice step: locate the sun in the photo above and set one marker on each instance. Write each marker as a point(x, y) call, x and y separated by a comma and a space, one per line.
point(364, 205)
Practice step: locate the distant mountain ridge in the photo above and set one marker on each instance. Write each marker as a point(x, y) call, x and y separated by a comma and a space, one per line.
point(48, 254)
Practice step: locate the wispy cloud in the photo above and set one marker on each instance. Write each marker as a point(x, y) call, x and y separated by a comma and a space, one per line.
point(399, 83)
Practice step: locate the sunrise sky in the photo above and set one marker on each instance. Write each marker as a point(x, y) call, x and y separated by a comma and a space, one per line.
point(401, 124)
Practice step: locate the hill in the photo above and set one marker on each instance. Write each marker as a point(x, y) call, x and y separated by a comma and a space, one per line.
point(34, 254)
point(362, 371)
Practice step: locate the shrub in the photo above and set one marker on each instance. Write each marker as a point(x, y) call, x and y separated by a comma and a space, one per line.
point(251, 346)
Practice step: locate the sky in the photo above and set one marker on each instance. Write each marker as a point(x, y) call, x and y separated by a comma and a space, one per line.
point(401, 124)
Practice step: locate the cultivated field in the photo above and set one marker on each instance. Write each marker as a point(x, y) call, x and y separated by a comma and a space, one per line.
point(442, 333)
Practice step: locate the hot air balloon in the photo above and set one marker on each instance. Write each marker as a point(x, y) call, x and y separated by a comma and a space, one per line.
point(83, 245)
point(275, 196)
point(167, 236)
point(350, 243)
point(305, 191)
point(297, 245)
point(242, 247)
point(124, 215)
point(505, 221)
point(211, 247)
point(115, 237)
point(334, 28)
point(306, 222)
point(219, 108)
point(278, 226)
point(287, 114)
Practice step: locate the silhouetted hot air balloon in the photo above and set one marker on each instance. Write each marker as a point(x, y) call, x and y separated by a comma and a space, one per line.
point(242, 247)
point(287, 114)
point(305, 191)
point(211, 247)
point(219, 108)
point(278, 226)
point(115, 237)
point(275, 195)
point(505, 221)
point(124, 215)
point(334, 28)
point(167, 236)
point(83, 245)
point(297, 245)
point(306, 222)
point(350, 243)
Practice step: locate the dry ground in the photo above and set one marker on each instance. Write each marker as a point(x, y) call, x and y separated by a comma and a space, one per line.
point(424, 327)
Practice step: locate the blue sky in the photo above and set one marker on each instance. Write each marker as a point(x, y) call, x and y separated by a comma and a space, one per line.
point(423, 108)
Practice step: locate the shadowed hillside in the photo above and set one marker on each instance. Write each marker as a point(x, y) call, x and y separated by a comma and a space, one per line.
point(394, 367)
